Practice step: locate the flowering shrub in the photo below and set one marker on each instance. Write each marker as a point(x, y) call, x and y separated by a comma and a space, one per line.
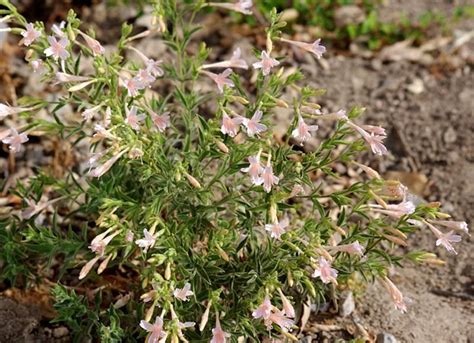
point(192, 220)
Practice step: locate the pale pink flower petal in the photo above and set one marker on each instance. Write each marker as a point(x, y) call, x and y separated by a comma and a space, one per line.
point(30, 34)
point(57, 49)
point(315, 48)
point(253, 125)
point(156, 330)
point(148, 241)
point(288, 309)
point(133, 119)
point(183, 293)
point(221, 79)
point(266, 63)
point(104, 168)
point(325, 272)
point(397, 210)
point(242, 6)
point(161, 121)
point(267, 178)
point(230, 126)
point(133, 85)
point(264, 310)
point(6, 110)
point(219, 335)
point(234, 62)
point(254, 169)
point(93, 44)
point(303, 131)
point(15, 140)
point(397, 296)
point(278, 228)
point(279, 319)
point(453, 225)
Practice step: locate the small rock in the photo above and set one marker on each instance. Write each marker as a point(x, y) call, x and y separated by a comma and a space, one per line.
point(450, 135)
point(60, 332)
point(348, 15)
point(416, 87)
point(385, 337)
point(347, 304)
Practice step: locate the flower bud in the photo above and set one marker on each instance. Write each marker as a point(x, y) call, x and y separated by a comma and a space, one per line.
point(239, 99)
point(192, 180)
point(168, 271)
point(281, 103)
point(395, 240)
point(149, 312)
point(269, 44)
point(222, 147)
point(223, 254)
point(104, 264)
point(205, 316)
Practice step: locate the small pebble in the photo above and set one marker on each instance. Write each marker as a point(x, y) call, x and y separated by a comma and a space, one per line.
point(385, 337)
point(60, 332)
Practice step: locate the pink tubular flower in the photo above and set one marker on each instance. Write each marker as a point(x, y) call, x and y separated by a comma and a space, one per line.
point(57, 49)
point(64, 77)
point(353, 248)
point(278, 228)
point(148, 241)
point(375, 141)
point(30, 34)
point(230, 126)
point(397, 296)
point(156, 332)
point(254, 169)
point(267, 178)
point(91, 112)
point(221, 79)
point(100, 241)
point(234, 62)
point(242, 6)
point(453, 225)
point(133, 85)
point(35, 208)
point(104, 168)
point(264, 310)
point(395, 211)
point(93, 44)
point(376, 130)
point(101, 133)
point(303, 131)
point(161, 121)
point(288, 309)
point(266, 63)
point(315, 48)
point(279, 318)
point(154, 67)
point(6, 110)
point(253, 125)
point(183, 293)
point(87, 267)
point(133, 119)
point(58, 29)
point(445, 239)
point(325, 272)
point(15, 140)
point(219, 335)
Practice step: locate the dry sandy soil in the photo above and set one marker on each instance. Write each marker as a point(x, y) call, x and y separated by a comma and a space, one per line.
point(427, 106)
